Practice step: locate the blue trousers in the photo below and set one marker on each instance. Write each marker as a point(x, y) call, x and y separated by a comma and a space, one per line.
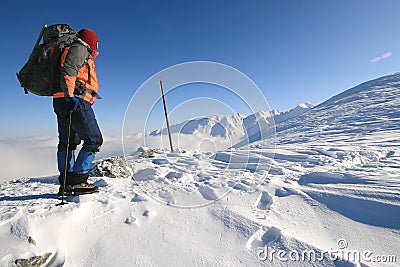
point(83, 127)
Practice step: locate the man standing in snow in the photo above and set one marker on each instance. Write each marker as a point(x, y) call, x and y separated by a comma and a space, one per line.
point(72, 104)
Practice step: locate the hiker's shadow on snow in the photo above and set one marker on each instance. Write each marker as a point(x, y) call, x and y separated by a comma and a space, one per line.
point(28, 197)
point(44, 180)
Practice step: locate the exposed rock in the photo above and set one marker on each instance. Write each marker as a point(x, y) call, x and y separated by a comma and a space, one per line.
point(35, 261)
point(145, 152)
point(31, 241)
point(113, 167)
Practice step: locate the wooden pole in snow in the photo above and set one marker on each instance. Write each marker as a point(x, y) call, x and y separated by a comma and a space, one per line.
point(166, 114)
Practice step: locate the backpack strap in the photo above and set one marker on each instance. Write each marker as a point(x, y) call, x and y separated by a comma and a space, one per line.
point(88, 70)
point(79, 40)
point(93, 93)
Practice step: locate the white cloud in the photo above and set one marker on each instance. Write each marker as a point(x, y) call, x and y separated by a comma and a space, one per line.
point(386, 55)
point(36, 156)
point(27, 157)
point(375, 59)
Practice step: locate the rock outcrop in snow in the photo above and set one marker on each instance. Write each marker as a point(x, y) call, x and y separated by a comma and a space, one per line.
point(35, 261)
point(114, 167)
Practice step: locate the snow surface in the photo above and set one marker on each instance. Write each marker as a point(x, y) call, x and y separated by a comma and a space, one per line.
point(331, 184)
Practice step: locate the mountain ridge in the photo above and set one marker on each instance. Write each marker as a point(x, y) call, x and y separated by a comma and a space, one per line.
point(232, 128)
point(365, 108)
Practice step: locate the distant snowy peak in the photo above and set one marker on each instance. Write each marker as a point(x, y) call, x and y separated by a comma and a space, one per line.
point(305, 105)
point(297, 111)
point(259, 122)
point(234, 126)
point(215, 126)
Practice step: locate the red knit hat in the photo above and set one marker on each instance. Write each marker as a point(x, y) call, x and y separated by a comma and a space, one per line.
point(89, 37)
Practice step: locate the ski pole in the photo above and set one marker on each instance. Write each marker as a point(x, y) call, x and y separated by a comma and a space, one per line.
point(66, 160)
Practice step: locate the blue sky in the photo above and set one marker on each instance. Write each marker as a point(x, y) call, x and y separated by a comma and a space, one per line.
point(295, 51)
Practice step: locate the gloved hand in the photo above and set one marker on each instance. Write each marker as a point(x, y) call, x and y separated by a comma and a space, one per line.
point(72, 103)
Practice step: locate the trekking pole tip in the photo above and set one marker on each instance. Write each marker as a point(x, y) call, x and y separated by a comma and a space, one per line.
point(61, 203)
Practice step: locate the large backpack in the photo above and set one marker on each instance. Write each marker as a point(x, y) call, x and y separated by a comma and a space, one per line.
point(41, 73)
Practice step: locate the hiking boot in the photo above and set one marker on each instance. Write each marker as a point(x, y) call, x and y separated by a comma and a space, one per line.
point(78, 189)
point(70, 176)
point(79, 178)
point(68, 191)
point(76, 184)
point(73, 178)
point(84, 188)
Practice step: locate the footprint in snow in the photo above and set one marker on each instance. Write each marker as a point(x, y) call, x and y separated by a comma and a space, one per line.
point(241, 187)
point(160, 161)
point(188, 162)
point(284, 192)
point(207, 193)
point(145, 175)
point(138, 198)
point(100, 183)
point(264, 201)
point(174, 175)
point(265, 236)
point(130, 220)
point(166, 197)
point(146, 213)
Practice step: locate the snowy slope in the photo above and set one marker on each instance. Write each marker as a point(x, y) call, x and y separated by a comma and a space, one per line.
point(366, 109)
point(328, 195)
point(343, 157)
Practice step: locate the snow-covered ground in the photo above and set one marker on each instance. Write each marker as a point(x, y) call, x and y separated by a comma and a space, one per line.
point(328, 195)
